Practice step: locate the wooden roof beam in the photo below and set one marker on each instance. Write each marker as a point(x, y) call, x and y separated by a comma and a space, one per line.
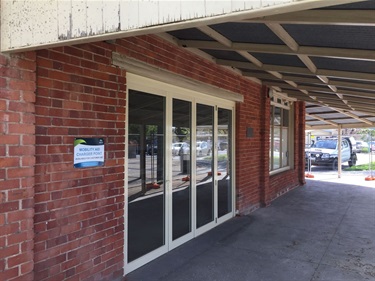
point(322, 17)
point(323, 72)
point(355, 117)
point(322, 119)
point(367, 55)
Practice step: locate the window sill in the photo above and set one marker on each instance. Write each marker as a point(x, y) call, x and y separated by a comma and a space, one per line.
point(283, 169)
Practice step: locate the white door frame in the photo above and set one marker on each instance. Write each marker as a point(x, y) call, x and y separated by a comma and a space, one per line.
point(135, 82)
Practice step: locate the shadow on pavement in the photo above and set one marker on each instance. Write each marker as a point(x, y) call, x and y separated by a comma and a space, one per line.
point(323, 231)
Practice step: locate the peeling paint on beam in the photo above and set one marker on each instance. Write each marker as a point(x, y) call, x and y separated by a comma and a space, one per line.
point(54, 23)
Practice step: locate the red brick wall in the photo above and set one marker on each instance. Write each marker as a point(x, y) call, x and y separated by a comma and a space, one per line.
point(79, 223)
point(249, 114)
point(73, 100)
point(249, 150)
point(299, 153)
point(17, 86)
point(158, 52)
point(255, 187)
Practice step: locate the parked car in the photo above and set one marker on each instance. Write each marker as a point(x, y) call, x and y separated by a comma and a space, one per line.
point(203, 148)
point(325, 152)
point(176, 147)
point(361, 146)
point(223, 145)
point(184, 149)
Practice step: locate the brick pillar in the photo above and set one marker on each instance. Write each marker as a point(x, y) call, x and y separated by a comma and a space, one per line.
point(300, 142)
point(17, 158)
point(264, 180)
point(249, 158)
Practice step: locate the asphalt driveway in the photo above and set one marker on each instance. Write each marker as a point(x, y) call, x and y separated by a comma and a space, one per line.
point(324, 230)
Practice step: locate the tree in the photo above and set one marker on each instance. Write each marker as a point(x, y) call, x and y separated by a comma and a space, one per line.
point(368, 134)
point(181, 133)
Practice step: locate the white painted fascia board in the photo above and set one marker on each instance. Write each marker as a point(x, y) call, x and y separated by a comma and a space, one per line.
point(161, 75)
point(6, 31)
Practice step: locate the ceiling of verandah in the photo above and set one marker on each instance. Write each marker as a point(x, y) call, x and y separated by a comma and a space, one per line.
point(325, 57)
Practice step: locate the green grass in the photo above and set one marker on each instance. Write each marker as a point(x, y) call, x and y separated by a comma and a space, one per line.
point(365, 150)
point(363, 167)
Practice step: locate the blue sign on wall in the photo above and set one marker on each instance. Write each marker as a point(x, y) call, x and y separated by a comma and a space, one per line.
point(88, 152)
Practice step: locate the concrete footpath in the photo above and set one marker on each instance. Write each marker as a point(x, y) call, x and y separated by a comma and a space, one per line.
point(324, 230)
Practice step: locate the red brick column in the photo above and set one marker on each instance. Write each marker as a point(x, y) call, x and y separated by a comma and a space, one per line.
point(265, 196)
point(17, 159)
point(300, 142)
point(249, 158)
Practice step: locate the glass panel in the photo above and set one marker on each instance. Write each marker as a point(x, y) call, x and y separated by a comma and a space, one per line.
point(276, 147)
point(285, 140)
point(224, 162)
point(285, 154)
point(271, 137)
point(285, 118)
point(181, 167)
point(204, 175)
point(276, 138)
point(146, 195)
point(277, 116)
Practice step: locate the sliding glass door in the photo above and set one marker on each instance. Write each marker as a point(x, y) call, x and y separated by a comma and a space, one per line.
point(146, 184)
point(204, 180)
point(224, 162)
point(179, 171)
